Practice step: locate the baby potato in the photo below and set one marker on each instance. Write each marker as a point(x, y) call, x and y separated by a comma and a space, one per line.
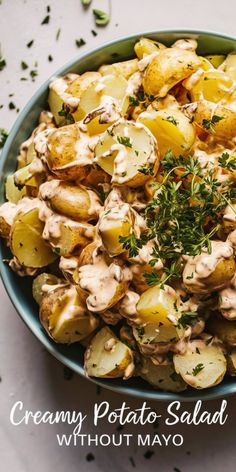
point(162, 377)
point(104, 283)
point(167, 68)
point(96, 177)
point(202, 366)
point(108, 357)
point(231, 363)
point(146, 46)
point(218, 120)
point(42, 282)
point(229, 217)
point(74, 201)
point(81, 83)
point(209, 272)
point(223, 329)
point(64, 316)
point(68, 153)
point(67, 237)
point(13, 193)
point(8, 211)
point(57, 96)
point(128, 152)
point(112, 224)
point(156, 304)
point(171, 128)
point(212, 85)
point(230, 65)
point(124, 68)
point(27, 243)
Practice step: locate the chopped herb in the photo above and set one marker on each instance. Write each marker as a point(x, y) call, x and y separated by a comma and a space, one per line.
point(188, 318)
point(172, 272)
point(209, 124)
point(67, 115)
point(33, 74)
point(198, 368)
point(48, 9)
point(125, 140)
point(197, 350)
point(68, 373)
point(86, 3)
point(94, 33)
point(101, 18)
point(134, 101)
point(90, 457)
point(80, 42)
point(50, 58)
point(227, 161)
point(46, 20)
point(58, 34)
point(2, 63)
point(3, 137)
point(24, 65)
point(172, 120)
point(147, 169)
point(131, 459)
point(23, 78)
point(132, 244)
point(30, 43)
point(148, 454)
point(11, 106)
point(141, 331)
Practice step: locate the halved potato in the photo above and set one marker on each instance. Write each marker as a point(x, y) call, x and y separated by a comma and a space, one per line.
point(212, 85)
point(215, 59)
point(104, 283)
point(41, 284)
point(223, 329)
point(231, 363)
point(171, 128)
point(64, 316)
point(26, 240)
point(74, 201)
point(230, 65)
point(57, 96)
point(68, 153)
point(213, 271)
point(67, 237)
point(125, 68)
point(114, 223)
point(155, 304)
point(13, 193)
point(128, 152)
point(167, 68)
point(108, 357)
point(162, 377)
point(146, 46)
point(202, 366)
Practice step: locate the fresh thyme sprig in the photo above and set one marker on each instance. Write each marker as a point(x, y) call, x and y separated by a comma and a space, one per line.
point(209, 124)
point(132, 243)
point(227, 161)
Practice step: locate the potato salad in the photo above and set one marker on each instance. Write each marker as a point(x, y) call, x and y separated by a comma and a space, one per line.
point(122, 210)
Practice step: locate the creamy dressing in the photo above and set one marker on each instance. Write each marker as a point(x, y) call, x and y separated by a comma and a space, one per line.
point(187, 44)
point(134, 84)
point(227, 301)
point(145, 61)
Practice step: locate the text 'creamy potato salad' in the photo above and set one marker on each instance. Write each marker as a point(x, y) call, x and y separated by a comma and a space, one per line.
point(123, 211)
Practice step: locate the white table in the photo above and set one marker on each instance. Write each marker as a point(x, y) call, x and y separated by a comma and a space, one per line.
point(27, 371)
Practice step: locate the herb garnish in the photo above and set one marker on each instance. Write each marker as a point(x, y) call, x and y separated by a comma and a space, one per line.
point(132, 244)
point(198, 368)
point(188, 318)
point(94, 33)
point(58, 34)
point(2, 63)
point(33, 74)
point(101, 18)
point(30, 43)
point(80, 42)
point(147, 169)
point(209, 124)
point(86, 3)
point(3, 137)
point(227, 161)
point(50, 58)
point(24, 65)
point(172, 120)
point(46, 20)
point(67, 115)
point(125, 140)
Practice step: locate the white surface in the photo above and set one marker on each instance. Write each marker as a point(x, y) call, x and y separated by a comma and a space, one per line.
point(28, 372)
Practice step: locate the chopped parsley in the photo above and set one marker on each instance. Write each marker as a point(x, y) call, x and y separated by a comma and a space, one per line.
point(101, 18)
point(67, 115)
point(11, 106)
point(3, 137)
point(50, 58)
point(141, 331)
point(33, 74)
point(24, 65)
point(209, 124)
point(2, 63)
point(125, 140)
point(188, 318)
point(172, 120)
point(80, 42)
point(227, 161)
point(46, 20)
point(58, 34)
point(132, 244)
point(86, 3)
point(94, 33)
point(30, 43)
point(147, 169)
point(197, 369)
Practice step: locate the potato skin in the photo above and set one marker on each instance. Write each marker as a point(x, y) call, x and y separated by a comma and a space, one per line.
point(167, 68)
point(218, 279)
point(223, 329)
point(225, 128)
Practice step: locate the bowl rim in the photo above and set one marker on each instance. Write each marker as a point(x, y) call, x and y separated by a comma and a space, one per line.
point(208, 394)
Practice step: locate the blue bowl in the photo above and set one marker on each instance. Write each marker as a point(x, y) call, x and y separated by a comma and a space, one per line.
point(19, 290)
